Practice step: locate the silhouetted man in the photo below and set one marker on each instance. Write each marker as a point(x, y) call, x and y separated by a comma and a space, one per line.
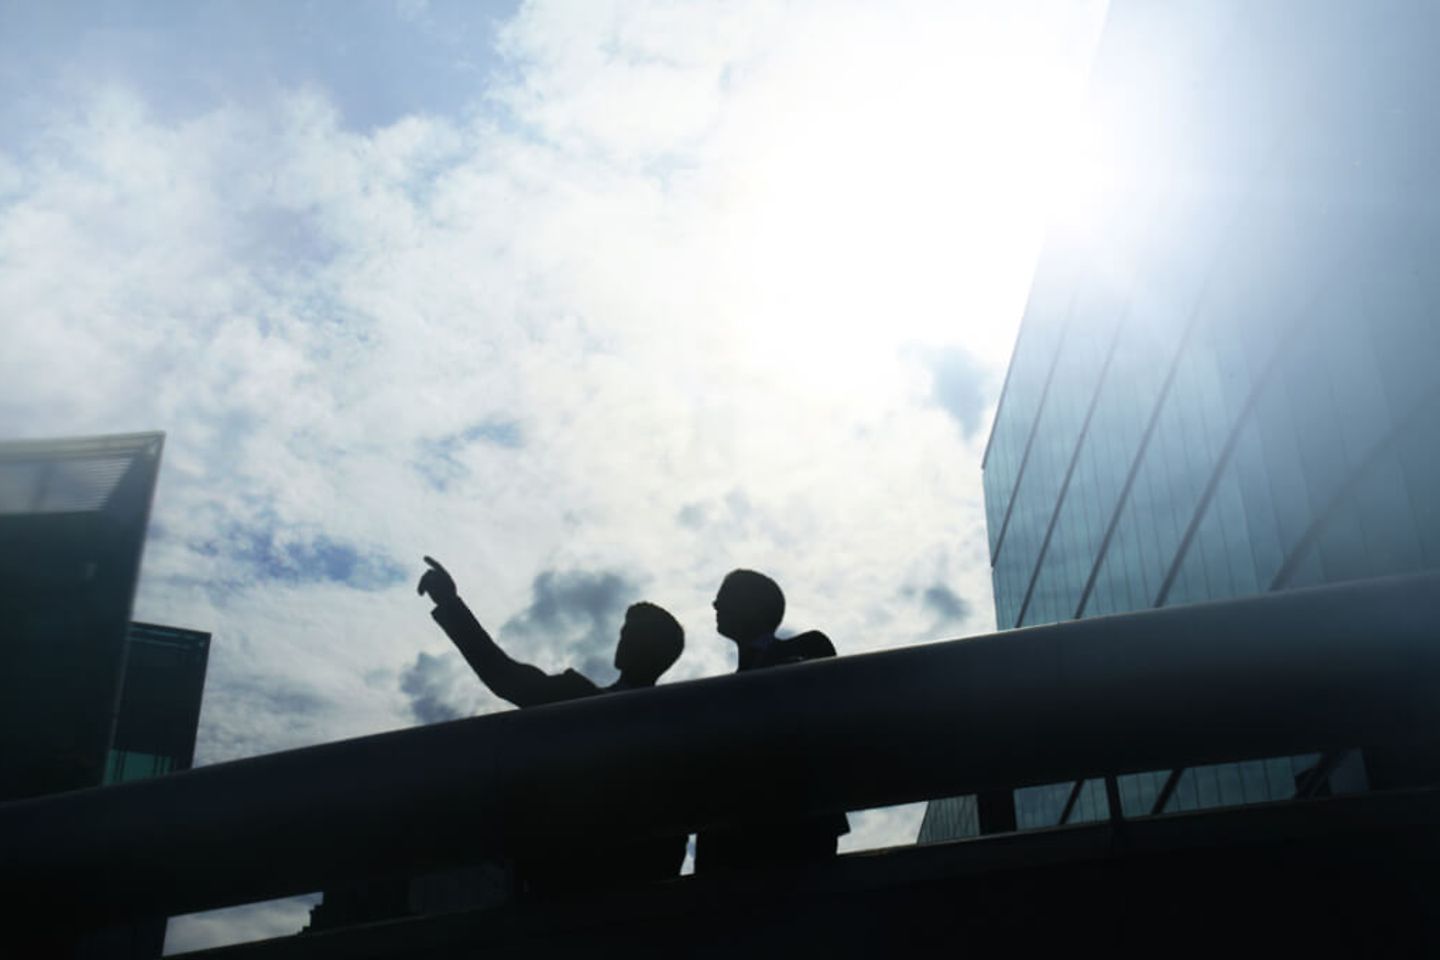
point(651, 640)
point(748, 610)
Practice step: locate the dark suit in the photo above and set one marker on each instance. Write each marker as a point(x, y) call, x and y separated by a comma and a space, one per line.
point(774, 837)
point(573, 868)
point(812, 645)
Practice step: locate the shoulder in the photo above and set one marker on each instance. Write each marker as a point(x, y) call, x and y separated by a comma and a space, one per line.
point(811, 645)
point(559, 687)
point(574, 685)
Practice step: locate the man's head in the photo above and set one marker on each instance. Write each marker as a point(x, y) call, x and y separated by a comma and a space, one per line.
point(749, 605)
point(650, 642)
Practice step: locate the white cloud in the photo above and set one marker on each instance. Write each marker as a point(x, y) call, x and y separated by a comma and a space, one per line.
point(882, 827)
point(253, 921)
point(699, 262)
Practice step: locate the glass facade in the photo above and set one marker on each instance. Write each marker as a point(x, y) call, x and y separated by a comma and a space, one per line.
point(1225, 381)
point(159, 702)
point(73, 516)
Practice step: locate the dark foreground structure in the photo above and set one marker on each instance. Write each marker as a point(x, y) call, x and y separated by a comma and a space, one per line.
point(1322, 670)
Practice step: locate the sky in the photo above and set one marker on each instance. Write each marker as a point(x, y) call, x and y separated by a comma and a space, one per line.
point(592, 301)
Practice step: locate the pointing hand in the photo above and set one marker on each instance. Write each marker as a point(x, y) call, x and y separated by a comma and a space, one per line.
point(437, 582)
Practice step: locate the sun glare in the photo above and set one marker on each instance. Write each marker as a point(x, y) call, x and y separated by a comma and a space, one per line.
point(904, 205)
point(1081, 182)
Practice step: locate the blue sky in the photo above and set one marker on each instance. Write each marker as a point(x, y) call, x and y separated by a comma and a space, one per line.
point(592, 301)
point(377, 61)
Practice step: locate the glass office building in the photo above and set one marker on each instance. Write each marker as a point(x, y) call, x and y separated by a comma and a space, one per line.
point(1226, 378)
point(73, 516)
point(159, 702)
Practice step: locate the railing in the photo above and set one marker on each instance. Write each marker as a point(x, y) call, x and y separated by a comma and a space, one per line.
point(1303, 671)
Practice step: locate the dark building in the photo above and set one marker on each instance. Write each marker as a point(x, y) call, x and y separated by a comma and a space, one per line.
point(159, 702)
point(73, 515)
point(1225, 381)
point(154, 735)
point(86, 696)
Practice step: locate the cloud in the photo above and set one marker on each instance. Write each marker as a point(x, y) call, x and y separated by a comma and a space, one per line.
point(949, 608)
point(439, 687)
point(883, 827)
point(732, 516)
point(442, 460)
point(960, 385)
point(378, 62)
point(692, 515)
point(253, 921)
point(269, 556)
point(259, 707)
point(577, 612)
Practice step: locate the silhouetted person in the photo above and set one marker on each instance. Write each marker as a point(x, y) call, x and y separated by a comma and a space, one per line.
point(748, 610)
point(651, 640)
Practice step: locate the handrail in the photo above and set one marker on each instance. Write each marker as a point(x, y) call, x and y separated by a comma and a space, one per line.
point(1296, 672)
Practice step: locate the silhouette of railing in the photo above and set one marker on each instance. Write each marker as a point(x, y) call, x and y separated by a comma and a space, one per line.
point(1355, 665)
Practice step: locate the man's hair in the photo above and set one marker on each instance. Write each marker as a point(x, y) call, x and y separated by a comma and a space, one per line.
point(758, 596)
point(661, 637)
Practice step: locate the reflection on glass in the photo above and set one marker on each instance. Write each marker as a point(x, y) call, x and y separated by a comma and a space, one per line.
point(1225, 382)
